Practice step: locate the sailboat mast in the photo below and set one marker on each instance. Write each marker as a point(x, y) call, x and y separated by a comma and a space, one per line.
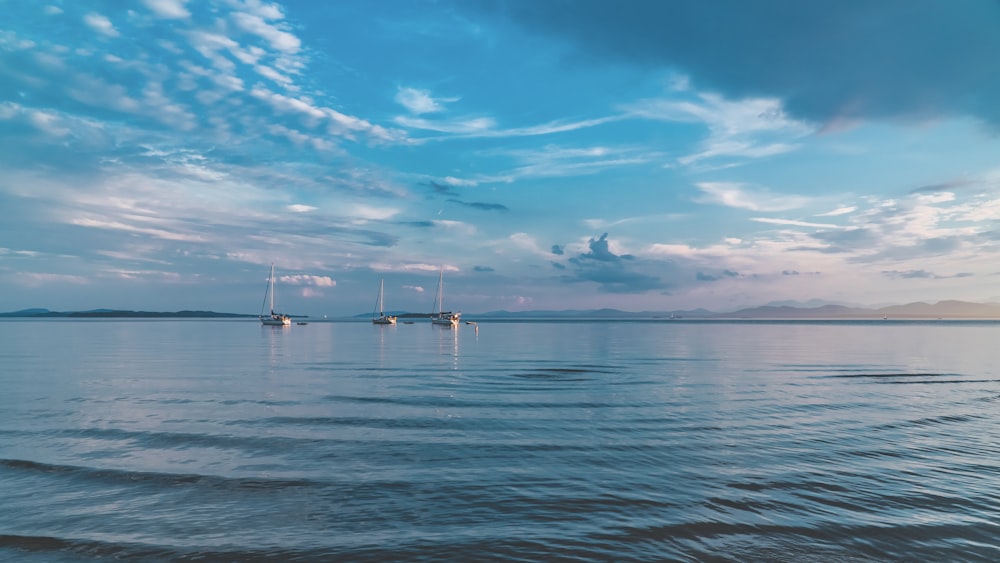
point(271, 293)
point(440, 303)
point(381, 287)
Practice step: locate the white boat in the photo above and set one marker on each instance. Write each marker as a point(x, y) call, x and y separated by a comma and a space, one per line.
point(382, 318)
point(274, 319)
point(441, 317)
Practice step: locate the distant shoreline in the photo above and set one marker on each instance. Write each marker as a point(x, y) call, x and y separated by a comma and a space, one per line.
point(951, 309)
point(119, 314)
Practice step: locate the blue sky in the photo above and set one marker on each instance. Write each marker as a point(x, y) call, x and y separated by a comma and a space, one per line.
point(160, 154)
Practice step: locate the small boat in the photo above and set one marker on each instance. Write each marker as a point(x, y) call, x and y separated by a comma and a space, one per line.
point(440, 317)
point(274, 319)
point(382, 318)
point(302, 324)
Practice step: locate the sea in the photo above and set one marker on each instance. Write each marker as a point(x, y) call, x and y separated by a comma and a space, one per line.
point(530, 440)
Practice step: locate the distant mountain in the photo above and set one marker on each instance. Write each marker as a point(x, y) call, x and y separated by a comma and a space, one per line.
point(593, 313)
point(942, 309)
point(112, 313)
point(787, 312)
point(25, 313)
point(810, 304)
point(950, 309)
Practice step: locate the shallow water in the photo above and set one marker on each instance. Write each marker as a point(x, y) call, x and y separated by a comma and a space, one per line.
point(597, 441)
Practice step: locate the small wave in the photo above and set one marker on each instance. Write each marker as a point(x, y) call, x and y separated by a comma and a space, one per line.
point(76, 549)
point(58, 548)
point(931, 421)
point(789, 485)
point(182, 440)
point(894, 375)
point(389, 423)
point(118, 476)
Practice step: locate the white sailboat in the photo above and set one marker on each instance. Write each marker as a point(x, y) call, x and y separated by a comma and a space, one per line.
point(382, 318)
point(439, 316)
point(274, 319)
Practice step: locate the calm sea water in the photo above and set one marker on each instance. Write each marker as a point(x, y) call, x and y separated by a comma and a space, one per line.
point(177, 440)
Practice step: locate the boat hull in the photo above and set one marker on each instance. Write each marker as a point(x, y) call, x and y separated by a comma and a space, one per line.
point(446, 320)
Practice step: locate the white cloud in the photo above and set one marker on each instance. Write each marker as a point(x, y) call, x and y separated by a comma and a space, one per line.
point(336, 123)
point(168, 9)
point(733, 194)
point(452, 181)
point(308, 280)
point(48, 123)
point(371, 213)
point(661, 249)
point(299, 208)
point(273, 75)
point(463, 126)
point(264, 10)
point(279, 39)
point(940, 197)
point(486, 127)
point(729, 147)
point(839, 211)
point(37, 278)
point(101, 24)
point(749, 128)
point(459, 227)
point(209, 44)
point(524, 241)
point(418, 101)
point(796, 223)
point(120, 226)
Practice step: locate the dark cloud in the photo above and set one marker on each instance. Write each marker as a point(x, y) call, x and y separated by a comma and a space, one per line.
point(702, 276)
point(910, 274)
point(789, 273)
point(599, 251)
point(610, 271)
point(850, 240)
point(926, 248)
point(910, 59)
point(943, 187)
point(366, 237)
point(922, 274)
point(440, 189)
point(557, 250)
point(615, 280)
point(481, 205)
point(482, 269)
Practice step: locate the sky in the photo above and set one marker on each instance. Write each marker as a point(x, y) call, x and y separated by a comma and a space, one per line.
point(544, 155)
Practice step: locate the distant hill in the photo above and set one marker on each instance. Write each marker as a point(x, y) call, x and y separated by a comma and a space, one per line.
point(918, 310)
point(785, 312)
point(949, 309)
point(112, 313)
point(944, 309)
point(594, 314)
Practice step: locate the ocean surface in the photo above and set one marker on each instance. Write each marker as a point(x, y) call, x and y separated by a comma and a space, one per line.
point(221, 440)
